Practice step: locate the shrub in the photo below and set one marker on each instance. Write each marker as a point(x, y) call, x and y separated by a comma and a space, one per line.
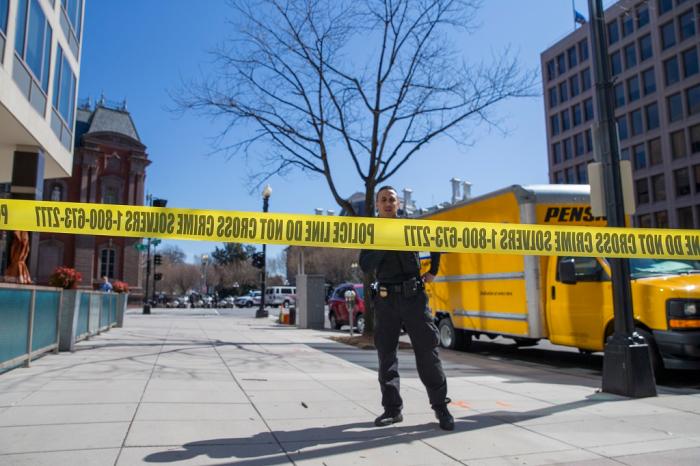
point(120, 287)
point(65, 277)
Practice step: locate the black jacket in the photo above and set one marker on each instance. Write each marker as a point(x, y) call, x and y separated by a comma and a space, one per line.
point(395, 266)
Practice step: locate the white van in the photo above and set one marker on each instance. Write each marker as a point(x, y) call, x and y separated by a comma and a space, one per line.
point(276, 295)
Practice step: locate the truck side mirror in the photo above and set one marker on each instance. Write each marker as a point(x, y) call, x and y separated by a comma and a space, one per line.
point(567, 271)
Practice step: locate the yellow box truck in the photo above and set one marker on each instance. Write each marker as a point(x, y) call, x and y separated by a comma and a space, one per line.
point(567, 300)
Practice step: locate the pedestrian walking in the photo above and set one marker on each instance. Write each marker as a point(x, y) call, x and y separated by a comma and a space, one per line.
point(399, 299)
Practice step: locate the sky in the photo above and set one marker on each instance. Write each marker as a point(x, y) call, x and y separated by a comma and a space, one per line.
point(142, 51)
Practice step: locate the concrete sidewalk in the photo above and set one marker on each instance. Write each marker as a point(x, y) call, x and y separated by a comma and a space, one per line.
point(172, 388)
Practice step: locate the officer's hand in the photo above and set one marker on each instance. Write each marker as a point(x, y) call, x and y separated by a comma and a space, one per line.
point(428, 277)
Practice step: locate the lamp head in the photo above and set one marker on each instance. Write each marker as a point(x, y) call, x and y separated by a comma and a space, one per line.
point(267, 191)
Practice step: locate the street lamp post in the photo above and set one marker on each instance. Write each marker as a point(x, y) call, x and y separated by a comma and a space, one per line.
point(261, 312)
point(205, 262)
point(626, 364)
point(153, 203)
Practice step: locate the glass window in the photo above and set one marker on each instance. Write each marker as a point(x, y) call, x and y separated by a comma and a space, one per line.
point(573, 86)
point(577, 116)
point(563, 92)
point(665, 6)
point(613, 32)
point(627, 25)
point(652, 114)
point(582, 173)
point(668, 35)
point(695, 139)
point(642, 190)
point(579, 147)
point(583, 50)
point(696, 174)
point(586, 79)
point(622, 128)
point(687, 25)
point(107, 262)
point(649, 81)
point(682, 181)
point(550, 70)
point(630, 56)
point(64, 88)
point(633, 89)
point(693, 100)
point(642, 15)
point(74, 11)
point(645, 48)
point(644, 221)
point(658, 187)
point(561, 64)
point(567, 149)
point(552, 97)
point(655, 156)
point(678, 145)
point(690, 62)
point(56, 193)
point(675, 107)
point(556, 152)
point(661, 219)
point(570, 177)
point(625, 153)
point(572, 56)
point(565, 120)
point(619, 90)
point(671, 71)
point(685, 217)
point(554, 123)
point(615, 63)
point(589, 141)
point(35, 49)
point(559, 178)
point(4, 5)
point(588, 109)
point(640, 158)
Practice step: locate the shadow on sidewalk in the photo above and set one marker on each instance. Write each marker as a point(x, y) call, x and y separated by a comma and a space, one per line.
point(270, 448)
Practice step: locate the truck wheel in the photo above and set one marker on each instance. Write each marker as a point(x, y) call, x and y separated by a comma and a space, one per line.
point(656, 362)
point(452, 338)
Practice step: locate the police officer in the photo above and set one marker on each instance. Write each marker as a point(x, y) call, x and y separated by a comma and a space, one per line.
point(399, 298)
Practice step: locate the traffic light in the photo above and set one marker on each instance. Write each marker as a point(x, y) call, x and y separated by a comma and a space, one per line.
point(157, 259)
point(258, 260)
point(157, 276)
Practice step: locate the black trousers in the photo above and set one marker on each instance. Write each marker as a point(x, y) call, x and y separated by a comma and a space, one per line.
point(390, 313)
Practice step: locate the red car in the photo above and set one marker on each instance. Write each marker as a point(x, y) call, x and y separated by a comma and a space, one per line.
point(338, 310)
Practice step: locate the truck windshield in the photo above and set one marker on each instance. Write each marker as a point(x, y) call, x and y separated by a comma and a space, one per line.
point(642, 268)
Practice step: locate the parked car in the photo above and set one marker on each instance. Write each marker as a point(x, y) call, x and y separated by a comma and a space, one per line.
point(276, 295)
point(338, 314)
point(248, 300)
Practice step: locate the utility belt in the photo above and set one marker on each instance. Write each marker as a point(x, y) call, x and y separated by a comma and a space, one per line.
point(407, 289)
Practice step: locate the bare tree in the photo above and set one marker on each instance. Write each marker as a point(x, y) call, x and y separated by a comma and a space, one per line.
point(323, 85)
point(372, 81)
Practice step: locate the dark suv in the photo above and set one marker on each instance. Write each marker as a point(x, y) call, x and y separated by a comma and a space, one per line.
point(338, 310)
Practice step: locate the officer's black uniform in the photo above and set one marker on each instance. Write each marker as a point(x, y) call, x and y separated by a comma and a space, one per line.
point(401, 299)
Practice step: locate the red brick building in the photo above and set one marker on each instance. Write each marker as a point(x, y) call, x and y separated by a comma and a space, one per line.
point(109, 167)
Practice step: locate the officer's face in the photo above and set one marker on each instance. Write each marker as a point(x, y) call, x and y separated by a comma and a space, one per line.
point(387, 203)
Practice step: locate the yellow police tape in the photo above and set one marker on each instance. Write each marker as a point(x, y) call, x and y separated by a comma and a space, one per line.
point(346, 232)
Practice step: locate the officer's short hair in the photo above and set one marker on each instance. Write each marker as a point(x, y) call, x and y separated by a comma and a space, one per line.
point(386, 186)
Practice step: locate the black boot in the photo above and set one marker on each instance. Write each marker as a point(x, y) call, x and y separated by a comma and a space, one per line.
point(447, 422)
point(388, 418)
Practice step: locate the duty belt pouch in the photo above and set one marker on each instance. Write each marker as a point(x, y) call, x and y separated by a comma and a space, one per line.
point(409, 288)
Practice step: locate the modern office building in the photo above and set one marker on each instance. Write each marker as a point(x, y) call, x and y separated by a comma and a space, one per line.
point(40, 47)
point(653, 56)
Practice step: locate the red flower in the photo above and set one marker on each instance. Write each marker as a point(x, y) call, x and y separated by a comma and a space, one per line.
point(65, 277)
point(120, 287)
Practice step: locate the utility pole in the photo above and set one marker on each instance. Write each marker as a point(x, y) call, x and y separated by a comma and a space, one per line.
point(626, 365)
